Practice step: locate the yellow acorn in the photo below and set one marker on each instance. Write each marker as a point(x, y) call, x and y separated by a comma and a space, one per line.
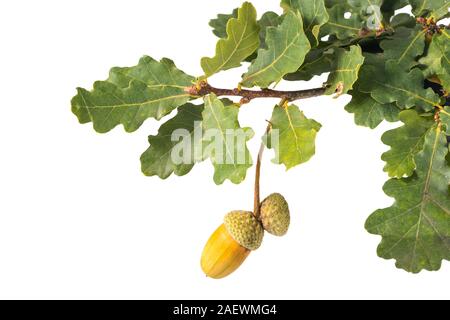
point(222, 254)
point(231, 243)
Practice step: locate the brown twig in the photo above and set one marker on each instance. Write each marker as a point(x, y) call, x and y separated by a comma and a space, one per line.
point(203, 89)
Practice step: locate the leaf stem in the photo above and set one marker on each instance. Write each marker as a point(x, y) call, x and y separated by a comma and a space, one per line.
point(203, 89)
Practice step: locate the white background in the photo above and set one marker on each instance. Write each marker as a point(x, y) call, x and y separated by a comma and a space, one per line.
point(79, 220)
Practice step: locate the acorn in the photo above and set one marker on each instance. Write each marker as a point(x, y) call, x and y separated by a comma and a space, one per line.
point(274, 214)
point(231, 243)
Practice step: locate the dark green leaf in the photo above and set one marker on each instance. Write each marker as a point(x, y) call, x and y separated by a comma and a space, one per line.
point(317, 62)
point(219, 24)
point(345, 70)
point(165, 156)
point(368, 112)
point(445, 118)
point(314, 15)
point(224, 141)
point(390, 6)
point(339, 26)
point(403, 20)
point(396, 85)
point(370, 11)
point(151, 89)
point(416, 229)
point(405, 46)
point(405, 142)
point(287, 48)
point(437, 61)
point(433, 8)
point(242, 40)
point(268, 19)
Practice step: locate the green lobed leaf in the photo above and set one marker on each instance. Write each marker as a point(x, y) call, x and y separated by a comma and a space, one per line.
point(314, 14)
point(226, 146)
point(345, 70)
point(339, 26)
point(242, 40)
point(219, 24)
point(317, 62)
point(329, 3)
point(444, 76)
point(403, 20)
point(365, 3)
point(405, 46)
point(441, 12)
point(416, 229)
point(395, 85)
point(321, 60)
point(151, 89)
point(370, 11)
point(158, 158)
point(437, 61)
point(268, 19)
point(432, 8)
point(296, 136)
point(389, 7)
point(369, 112)
point(287, 48)
point(405, 142)
point(445, 119)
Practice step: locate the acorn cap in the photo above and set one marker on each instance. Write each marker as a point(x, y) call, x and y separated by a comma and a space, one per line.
point(245, 229)
point(274, 214)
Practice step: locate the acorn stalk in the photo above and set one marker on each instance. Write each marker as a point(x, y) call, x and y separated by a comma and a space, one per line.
point(232, 242)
